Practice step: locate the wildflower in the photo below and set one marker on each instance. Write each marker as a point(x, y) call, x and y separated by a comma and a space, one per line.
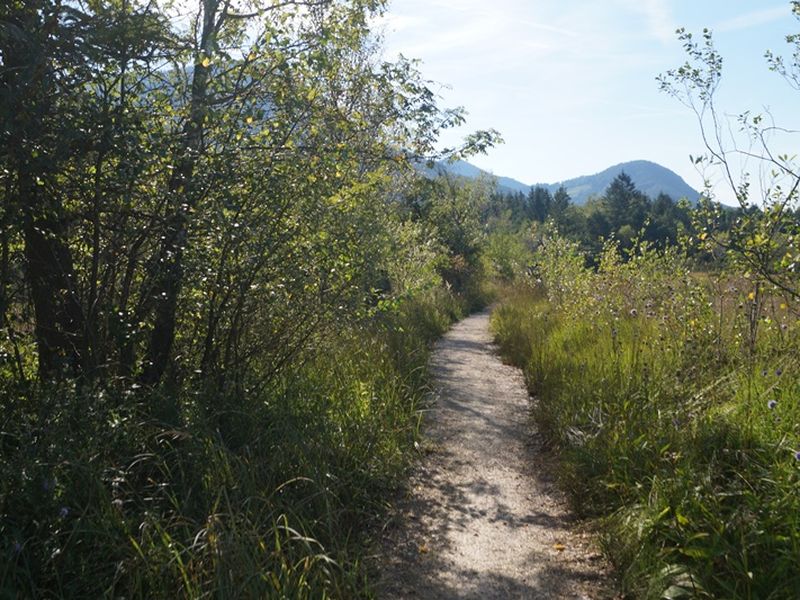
point(64, 512)
point(48, 485)
point(634, 312)
point(784, 327)
point(772, 404)
point(16, 547)
point(779, 372)
point(797, 455)
point(764, 372)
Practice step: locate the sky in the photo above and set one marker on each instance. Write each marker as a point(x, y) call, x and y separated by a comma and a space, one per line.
point(570, 84)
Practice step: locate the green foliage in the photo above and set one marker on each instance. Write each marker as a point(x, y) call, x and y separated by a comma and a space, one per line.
point(623, 213)
point(215, 309)
point(269, 496)
point(450, 210)
point(760, 240)
point(671, 429)
point(508, 251)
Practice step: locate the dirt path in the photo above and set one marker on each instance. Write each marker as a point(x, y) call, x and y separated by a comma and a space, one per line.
point(482, 519)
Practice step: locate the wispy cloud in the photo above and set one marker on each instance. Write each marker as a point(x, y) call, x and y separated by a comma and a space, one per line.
point(660, 19)
point(660, 23)
point(753, 19)
point(570, 83)
point(549, 28)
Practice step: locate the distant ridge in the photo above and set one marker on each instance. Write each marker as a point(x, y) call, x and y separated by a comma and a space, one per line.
point(505, 184)
point(649, 177)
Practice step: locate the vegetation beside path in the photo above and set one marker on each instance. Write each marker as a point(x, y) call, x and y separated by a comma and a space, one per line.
point(220, 271)
point(672, 400)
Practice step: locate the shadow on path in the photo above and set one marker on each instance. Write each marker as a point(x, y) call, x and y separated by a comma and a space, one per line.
point(481, 517)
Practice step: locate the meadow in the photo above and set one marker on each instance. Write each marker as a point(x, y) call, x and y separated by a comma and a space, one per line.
point(671, 399)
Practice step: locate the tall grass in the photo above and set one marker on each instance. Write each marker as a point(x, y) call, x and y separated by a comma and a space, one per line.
point(271, 495)
point(677, 429)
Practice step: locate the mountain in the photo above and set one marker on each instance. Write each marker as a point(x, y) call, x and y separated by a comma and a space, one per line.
point(649, 177)
point(464, 169)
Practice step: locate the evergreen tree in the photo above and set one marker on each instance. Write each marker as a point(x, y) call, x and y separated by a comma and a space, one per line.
point(539, 203)
point(624, 204)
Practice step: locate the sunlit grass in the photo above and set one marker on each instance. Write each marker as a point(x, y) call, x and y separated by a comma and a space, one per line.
point(674, 434)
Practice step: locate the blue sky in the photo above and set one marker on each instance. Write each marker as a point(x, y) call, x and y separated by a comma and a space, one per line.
point(570, 84)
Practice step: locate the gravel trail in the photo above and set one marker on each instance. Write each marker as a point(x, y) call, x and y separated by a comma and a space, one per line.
point(482, 518)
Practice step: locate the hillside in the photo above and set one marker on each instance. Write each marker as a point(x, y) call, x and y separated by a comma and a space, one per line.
point(649, 177)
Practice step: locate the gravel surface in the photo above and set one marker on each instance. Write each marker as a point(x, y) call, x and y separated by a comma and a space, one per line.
point(482, 517)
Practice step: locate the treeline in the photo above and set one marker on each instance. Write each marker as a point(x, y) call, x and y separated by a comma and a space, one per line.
point(623, 211)
point(219, 275)
point(627, 215)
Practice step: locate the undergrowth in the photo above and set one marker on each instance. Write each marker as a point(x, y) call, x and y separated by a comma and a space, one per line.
point(672, 399)
point(268, 496)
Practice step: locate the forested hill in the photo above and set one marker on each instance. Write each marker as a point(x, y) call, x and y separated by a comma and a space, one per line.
point(649, 177)
point(505, 184)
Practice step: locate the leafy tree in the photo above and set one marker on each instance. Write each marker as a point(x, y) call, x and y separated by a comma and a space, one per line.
point(456, 215)
point(179, 195)
point(68, 117)
point(762, 238)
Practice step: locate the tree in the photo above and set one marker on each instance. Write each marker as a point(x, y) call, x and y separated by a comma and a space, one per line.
point(64, 109)
point(624, 204)
point(539, 203)
point(195, 200)
point(763, 239)
point(561, 201)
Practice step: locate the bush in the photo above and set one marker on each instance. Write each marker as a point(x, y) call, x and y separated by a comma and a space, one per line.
point(270, 495)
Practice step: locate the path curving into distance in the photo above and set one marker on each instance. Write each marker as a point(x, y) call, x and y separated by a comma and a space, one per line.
point(482, 518)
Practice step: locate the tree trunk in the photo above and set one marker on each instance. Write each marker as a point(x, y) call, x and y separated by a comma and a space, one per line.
point(48, 262)
point(59, 318)
point(168, 266)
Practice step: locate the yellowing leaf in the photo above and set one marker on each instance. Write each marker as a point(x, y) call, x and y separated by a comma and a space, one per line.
point(751, 296)
point(559, 547)
point(423, 549)
point(206, 62)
